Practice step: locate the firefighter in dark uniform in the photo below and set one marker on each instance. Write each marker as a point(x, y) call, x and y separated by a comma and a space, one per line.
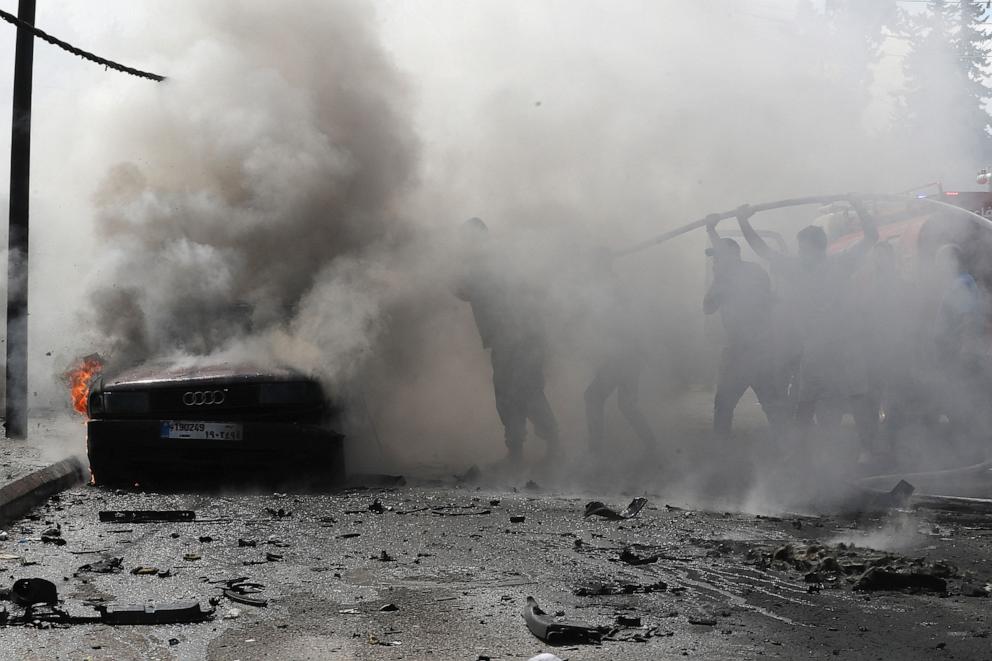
point(621, 362)
point(741, 292)
point(507, 316)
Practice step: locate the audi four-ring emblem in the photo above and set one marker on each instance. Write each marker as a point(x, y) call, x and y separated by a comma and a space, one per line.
point(203, 397)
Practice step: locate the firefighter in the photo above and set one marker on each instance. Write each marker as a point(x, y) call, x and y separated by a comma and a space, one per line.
point(741, 292)
point(510, 328)
point(832, 375)
point(620, 368)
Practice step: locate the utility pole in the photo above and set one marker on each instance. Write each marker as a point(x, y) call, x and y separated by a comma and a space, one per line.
point(16, 401)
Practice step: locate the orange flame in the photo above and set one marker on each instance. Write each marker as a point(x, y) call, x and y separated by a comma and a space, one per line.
point(80, 379)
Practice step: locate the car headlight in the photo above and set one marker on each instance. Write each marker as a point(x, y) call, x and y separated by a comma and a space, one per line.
point(125, 402)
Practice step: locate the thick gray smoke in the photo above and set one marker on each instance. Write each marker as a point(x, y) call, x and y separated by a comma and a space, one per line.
point(292, 193)
point(271, 160)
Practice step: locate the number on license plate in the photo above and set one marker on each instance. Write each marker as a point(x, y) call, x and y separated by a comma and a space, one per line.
point(210, 431)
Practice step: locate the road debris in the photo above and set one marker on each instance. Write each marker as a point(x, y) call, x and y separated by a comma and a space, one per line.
point(518, 518)
point(27, 592)
point(146, 516)
point(278, 513)
point(596, 508)
point(631, 558)
point(604, 589)
point(103, 566)
point(873, 500)
point(144, 571)
point(180, 612)
point(864, 569)
point(376, 508)
point(389, 608)
point(554, 632)
point(441, 512)
point(53, 536)
point(241, 598)
point(882, 579)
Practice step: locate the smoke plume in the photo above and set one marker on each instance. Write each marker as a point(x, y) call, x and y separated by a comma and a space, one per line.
point(291, 194)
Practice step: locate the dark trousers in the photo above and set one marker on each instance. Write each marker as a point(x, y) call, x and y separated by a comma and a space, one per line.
point(742, 368)
point(518, 383)
point(620, 374)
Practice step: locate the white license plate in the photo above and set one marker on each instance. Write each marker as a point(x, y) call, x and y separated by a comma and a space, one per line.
point(210, 431)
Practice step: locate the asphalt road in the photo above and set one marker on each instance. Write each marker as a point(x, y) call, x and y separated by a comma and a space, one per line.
point(458, 571)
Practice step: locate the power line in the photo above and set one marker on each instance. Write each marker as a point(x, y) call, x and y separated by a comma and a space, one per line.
point(13, 20)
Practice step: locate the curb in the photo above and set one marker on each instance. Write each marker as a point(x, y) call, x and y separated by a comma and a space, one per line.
point(25, 493)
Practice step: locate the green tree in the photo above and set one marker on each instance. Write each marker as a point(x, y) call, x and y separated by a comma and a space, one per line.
point(942, 107)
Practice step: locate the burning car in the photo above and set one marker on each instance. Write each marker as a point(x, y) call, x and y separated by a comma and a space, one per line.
point(222, 424)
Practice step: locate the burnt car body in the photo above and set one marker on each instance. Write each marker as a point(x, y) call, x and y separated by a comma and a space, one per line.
point(218, 424)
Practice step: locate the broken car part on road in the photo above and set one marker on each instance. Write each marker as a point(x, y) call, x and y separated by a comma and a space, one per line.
point(147, 516)
point(29, 593)
point(553, 632)
point(596, 508)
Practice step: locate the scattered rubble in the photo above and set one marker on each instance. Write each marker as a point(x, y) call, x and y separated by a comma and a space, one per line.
point(864, 569)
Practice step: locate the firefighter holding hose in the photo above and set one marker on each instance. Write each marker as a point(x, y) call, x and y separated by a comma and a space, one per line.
point(741, 292)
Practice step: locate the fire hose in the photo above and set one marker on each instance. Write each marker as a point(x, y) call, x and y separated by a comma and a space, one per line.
point(793, 202)
point(876, 483)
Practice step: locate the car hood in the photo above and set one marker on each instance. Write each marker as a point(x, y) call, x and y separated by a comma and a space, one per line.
point(172, 373)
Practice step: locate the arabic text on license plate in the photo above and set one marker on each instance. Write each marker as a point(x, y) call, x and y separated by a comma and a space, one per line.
point(211, 431)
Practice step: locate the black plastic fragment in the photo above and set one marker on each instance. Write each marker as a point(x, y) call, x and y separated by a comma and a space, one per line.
point(554, 632)
point(179, 612)
point(146, 516)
